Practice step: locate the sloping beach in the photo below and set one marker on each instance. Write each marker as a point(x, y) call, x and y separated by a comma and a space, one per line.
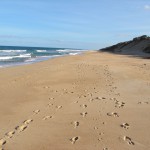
point(92, 101)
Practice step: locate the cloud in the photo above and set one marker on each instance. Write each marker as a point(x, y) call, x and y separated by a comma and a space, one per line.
point(147, 7)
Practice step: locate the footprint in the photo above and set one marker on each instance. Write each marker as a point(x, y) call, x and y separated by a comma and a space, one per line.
point(46, 87)
point(91, 100)
point(100, 139)
point(50, 104)
point(113, 114)
point(27, 121)
point(105, 149)
point(95, 128)
point(47, 117)
point(51, 98)
point(58, 107)
point(143, 103)
point(84, 114)
point(83, 106)
point(74, 139)
point(2, 142)
point(101, 133)
point(21, 128)
point(36, 111)
point(128, 140)
point(76, 124)
point(100, 98)
point(125, 125)
point(10, 134)
point(119, 104)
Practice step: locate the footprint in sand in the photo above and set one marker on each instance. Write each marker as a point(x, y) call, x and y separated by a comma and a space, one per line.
point(2, 142)
point(101, 133)
point(36, 111)
point(74, 139)
point(24, 125)
point(84, 114)
point(128, 140)
point(105, 149)
point(21, 128)
point(51, 98)
point(91, 99)
point(100, 98)
point(143, 103)
point(76, 124)
point(95, 128)
point(125, 125)
point(58, 107)
point(119, 104)
point(49, 104)
point(10, 134)
point(100, 139)
point(46, 117)
point(27, 121)
point(113, 114)
point(83, 106)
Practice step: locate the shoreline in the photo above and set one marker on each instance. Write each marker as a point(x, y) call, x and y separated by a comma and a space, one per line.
point(42, 59)
point(93, 100)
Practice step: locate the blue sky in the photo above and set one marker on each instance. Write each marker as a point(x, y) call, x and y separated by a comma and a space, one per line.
point(87, 24)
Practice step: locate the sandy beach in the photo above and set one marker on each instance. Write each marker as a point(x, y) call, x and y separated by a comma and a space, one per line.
point(92, 101)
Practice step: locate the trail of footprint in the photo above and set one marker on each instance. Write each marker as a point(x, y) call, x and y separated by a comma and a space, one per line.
point(11, 133)
point(74, 139)
point(84, 114)
point(113, 114)
point(46, 117)
point(24, 125)
point(125, 125)
point(128, 140)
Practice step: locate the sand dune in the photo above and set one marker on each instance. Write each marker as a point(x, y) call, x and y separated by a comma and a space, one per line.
point(97, 101)
point(139, 46)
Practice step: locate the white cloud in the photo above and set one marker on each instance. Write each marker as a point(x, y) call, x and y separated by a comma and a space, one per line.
point(147, 7)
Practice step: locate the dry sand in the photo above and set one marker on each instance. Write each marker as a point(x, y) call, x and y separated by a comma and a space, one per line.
point(93, 101)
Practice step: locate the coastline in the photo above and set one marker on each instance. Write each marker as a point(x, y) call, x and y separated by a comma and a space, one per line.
point(41, 59)
point(93, 100)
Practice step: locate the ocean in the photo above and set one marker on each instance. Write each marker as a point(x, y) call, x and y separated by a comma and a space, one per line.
point(18, 55)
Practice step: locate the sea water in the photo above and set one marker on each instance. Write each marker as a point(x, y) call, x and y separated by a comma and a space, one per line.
point(16, 55)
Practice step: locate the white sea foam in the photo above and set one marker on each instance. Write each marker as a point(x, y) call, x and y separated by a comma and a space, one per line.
point(6, 58)
point(11, 57)
point(41, 51)
point(30, 60)
point(73, 53)
point(12, 51)
point(69, 50)
point(23, 56)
